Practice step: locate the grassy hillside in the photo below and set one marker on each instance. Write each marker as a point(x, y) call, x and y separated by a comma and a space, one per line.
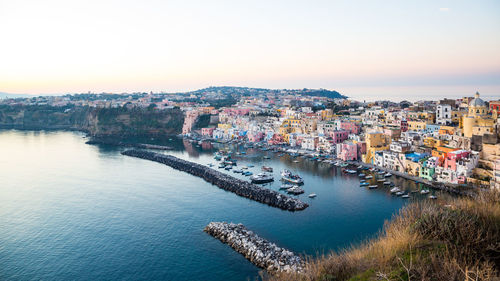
point(457, 240)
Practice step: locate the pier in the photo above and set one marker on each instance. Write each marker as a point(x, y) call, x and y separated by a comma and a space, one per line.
point(257, 250)
point(224, 181)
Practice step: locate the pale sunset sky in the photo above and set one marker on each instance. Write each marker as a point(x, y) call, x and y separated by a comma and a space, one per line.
point(356, 47)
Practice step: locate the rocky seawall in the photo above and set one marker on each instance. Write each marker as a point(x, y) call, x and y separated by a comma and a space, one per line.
point(224, 181)
point(257, 250)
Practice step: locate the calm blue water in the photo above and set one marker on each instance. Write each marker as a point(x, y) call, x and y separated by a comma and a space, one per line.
point(71, 211)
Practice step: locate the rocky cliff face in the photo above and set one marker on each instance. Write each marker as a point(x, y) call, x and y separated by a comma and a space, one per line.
point(100, 122)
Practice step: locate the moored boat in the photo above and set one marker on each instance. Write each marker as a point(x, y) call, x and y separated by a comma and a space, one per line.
point(373, 186)
point(262, 178)
point(267, 169)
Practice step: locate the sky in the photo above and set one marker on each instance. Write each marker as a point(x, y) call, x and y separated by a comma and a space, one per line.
point(360, 48)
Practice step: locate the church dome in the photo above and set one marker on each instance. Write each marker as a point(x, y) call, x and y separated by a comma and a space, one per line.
point(477, 102)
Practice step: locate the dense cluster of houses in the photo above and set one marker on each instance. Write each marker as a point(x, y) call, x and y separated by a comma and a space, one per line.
point(453, 141)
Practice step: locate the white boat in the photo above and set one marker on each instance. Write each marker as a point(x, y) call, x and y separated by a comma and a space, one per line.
point(387, 175)
point(312, 195)
point(262, 178)
point(395, 189)
point(286, 186)
point(288, 176)
point(295, 161)
point(424, 191)
point(387, 182)
point(295, 190)
point(369, 177)
point(405, 196)
point(432, 197)
point(373, 186)
point(267, 169)
point(399, 193)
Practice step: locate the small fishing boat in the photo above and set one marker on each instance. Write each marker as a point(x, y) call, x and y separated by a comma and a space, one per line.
point(405, 196)
point(381, 180)
point(388, 175)
point(424, 191)
point(399, 193)
point(221, 166)
point(432, 197)
point(295, 190)
point(373, 186)
point(247, 173)
point(312, 195)
point(267, 169)
point(267, 157)
point(250, 166)
point(262, 178)
point(227, 168)
point(387, 182)
point(288, 176)
point(361, 175)
point(364, 184)
point(369, 177)
point(286, 186)
point(395, 189)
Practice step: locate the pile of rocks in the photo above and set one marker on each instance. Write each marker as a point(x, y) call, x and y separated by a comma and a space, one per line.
point(125, 144)
point(224, 181)
point(257, 250)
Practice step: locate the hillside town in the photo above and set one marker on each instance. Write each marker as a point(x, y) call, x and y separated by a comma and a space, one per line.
point(447, 141)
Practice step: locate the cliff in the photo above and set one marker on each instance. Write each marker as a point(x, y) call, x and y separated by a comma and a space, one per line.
point(98, 122)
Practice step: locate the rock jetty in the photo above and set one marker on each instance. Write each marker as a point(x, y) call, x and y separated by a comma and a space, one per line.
point(224, 181)
point(257, 250)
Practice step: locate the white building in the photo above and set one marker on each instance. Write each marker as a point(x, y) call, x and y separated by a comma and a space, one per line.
point(443, 114)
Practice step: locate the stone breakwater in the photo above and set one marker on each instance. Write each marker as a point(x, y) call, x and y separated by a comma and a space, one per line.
point(257, 250)
point(224, 181)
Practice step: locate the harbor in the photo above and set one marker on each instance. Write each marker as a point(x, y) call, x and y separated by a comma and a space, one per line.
point(224, 181)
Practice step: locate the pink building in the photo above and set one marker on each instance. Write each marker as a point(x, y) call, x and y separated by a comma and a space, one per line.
point(191, 117)
point(255, 137)
point(207, 132)
point(339, 136)
point(351, 127)
point(453, 157)
point(404, 125)
point(349, 152)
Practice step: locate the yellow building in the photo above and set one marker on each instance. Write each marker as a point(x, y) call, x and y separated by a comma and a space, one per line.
point(416, 125)
point(293, 125)
point(375, 142)
point(457, 117)
point(478, 121)
point(432, 142)
point(224, 126)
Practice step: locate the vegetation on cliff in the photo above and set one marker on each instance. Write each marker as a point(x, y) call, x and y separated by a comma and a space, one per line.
point(458, 240)
point(95, 121)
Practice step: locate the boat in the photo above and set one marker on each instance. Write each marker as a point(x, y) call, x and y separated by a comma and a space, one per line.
point(247, 173)
point(395, 189)
point(250, 166)
point(381, 180)
point(288, 176)
point(351, 171)
point(229, 161)
point(295, 190)
point(424, 191)
point(360, 167)
point(244, 168)
point(262, 178)
point(405, 196)
point(432, 197)
point(267, 157)
point(295, 161)
point(312, 195)
point(267, 169)
point(286, 186)
point(217, 157)
point(227, 168)
point(361, 175)
point(399, 193)
point(210, 165)
point(364, 184)
point(388, 175)
point(373, 186)
point(238, 171)
point(369, 177)
point(387, 182)
point(221, 166)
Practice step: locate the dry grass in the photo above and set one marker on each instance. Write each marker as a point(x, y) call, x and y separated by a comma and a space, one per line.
point(424, 241)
